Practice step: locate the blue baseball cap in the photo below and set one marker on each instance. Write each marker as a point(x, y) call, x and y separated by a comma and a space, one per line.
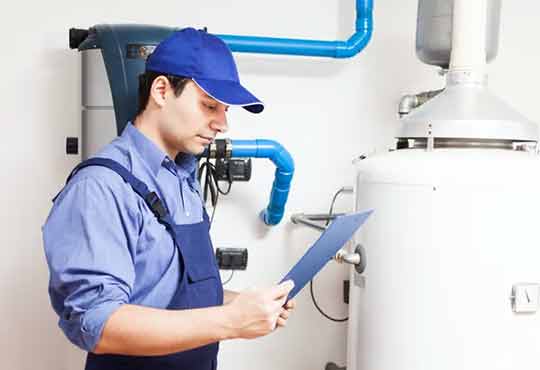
point(208, 61)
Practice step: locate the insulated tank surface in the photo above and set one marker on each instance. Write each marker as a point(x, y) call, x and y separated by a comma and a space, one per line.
point(452, 274)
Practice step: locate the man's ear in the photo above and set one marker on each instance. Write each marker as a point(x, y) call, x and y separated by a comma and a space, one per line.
point(159, 88)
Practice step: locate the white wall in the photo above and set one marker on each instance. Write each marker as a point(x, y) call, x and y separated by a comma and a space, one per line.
point(324, 111)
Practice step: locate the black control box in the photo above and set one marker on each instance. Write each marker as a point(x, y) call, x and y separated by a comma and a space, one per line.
point(232, 258)
point(72, 145)
point(233, 169)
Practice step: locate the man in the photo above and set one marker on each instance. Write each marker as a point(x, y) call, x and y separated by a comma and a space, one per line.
point(133, 276)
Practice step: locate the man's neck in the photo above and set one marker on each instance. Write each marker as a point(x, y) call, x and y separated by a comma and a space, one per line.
point(146, 125)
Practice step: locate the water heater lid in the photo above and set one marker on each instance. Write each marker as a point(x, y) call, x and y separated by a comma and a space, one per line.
point(468, 111)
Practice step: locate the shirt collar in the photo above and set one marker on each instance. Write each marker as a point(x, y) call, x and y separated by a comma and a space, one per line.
point(186, 164)
point(150, 153)
point(155, 157)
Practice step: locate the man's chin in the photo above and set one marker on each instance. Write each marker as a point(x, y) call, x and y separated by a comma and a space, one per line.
point(197, 149)
point(193, 148)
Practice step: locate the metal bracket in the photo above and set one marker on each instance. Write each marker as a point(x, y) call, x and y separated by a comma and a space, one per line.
point(430, 139)
point(308, 219)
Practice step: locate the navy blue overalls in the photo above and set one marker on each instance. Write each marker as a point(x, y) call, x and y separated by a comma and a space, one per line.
point(199, 286)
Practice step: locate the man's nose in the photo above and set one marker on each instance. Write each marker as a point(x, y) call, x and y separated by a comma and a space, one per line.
point(220, 124)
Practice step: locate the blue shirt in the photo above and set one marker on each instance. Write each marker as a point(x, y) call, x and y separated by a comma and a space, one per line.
point(105, 247)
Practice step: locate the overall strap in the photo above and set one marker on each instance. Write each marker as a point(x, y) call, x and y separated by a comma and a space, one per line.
point(150, 197)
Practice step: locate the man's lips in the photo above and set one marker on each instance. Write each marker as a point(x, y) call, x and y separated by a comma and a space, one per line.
point(207, 139)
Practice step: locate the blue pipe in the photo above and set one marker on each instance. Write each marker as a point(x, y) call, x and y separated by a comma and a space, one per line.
point(274, 151)
point(333, 49)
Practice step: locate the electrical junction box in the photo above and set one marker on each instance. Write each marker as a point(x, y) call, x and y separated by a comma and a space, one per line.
point(232, 258)
point(233, 169)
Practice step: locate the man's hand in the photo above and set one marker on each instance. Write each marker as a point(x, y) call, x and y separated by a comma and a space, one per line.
point(285, 312)
point(257, 313)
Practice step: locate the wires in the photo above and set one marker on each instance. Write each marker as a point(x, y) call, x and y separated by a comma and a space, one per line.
point(320, 309)
point(330, 213)
point(229, 279)
point(209, 183)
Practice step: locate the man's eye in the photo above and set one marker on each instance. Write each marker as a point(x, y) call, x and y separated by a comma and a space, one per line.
point(211, 107)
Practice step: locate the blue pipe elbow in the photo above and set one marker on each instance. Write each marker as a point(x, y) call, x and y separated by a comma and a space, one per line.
point(333, 49)
point(274, 151)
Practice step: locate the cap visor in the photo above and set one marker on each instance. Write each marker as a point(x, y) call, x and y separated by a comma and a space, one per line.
point(230, 93)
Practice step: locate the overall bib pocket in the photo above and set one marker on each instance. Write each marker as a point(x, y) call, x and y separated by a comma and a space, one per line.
point(203, 286)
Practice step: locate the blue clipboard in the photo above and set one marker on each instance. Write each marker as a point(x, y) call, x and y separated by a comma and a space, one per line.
point(324, 249)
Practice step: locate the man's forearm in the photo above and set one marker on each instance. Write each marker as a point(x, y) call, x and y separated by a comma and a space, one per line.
point(137, 330)
point(228, 296)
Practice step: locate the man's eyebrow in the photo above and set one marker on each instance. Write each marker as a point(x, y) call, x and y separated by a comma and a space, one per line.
point(206, 96)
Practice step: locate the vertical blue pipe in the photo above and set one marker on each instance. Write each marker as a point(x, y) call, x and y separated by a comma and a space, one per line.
point(333, 49)
point(274, 151)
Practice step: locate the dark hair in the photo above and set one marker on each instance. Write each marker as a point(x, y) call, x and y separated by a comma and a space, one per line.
point(147, 79)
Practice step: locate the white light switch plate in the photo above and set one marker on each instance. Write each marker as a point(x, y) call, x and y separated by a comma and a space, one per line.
point(525, 297)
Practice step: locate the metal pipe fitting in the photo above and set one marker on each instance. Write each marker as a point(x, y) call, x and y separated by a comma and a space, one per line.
point(410, 102)
point(343, 256)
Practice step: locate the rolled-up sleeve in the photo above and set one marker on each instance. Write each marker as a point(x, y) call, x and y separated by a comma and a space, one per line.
point(89, 239)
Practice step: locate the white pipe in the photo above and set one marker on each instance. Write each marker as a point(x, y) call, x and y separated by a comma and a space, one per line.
point(469, 35)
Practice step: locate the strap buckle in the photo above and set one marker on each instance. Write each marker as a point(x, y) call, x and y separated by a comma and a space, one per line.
point(155, 204)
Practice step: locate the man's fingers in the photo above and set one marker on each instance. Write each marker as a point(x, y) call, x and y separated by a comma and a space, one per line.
point(279, 304)
point(281, 322)
point(290, 305)
point(281, 290)
point(284, 314)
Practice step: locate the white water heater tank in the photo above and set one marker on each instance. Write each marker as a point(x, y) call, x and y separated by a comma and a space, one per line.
point(452, 256)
